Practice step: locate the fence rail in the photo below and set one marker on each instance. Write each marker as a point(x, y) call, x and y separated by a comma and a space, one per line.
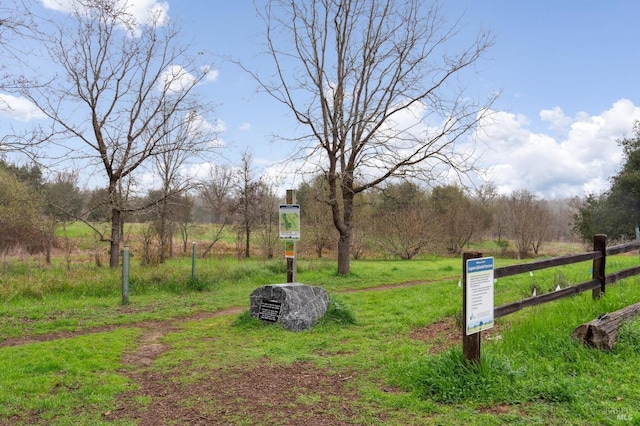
point(598, 283)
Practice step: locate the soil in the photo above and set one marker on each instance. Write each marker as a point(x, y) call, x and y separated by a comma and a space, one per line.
point(297, 394)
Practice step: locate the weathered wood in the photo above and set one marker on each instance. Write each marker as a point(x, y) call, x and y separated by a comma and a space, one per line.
point(510, 308)
point(599, 265)
point(470, 343)
point(620, 275)
point(602, 332)
point(623, 248)
point(507, 271)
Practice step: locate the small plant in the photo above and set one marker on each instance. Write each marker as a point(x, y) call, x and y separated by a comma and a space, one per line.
point(248, 322)
point(338, 313)
point(503, 245)
point(197, 284)
point(449, 378)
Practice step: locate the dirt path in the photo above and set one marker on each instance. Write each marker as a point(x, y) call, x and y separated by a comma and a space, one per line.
point(170, 324)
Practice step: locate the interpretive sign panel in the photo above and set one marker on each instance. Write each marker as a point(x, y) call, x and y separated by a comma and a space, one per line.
point(289, 249)
point(289, 215)
point(269, 310)
point(479, 303)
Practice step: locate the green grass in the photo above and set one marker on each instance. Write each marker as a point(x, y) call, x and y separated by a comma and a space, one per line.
point(531, 372)
point(47, 382)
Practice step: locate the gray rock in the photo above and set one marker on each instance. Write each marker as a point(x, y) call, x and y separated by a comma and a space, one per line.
point(296, 306)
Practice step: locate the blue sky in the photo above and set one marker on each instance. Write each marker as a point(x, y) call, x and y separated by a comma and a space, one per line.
point(567, 72)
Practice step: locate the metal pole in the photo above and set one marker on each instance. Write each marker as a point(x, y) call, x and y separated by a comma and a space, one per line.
point(193, 262)
point(125, 275)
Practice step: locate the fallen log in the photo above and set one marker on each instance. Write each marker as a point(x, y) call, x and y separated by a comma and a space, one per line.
point(602, 332)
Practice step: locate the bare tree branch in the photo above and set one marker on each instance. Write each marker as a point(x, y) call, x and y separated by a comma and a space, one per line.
point(376, 85)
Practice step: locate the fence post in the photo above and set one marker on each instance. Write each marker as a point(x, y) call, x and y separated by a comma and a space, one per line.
point(599, 265)
point(193, 261)
point(470, 343)
point(125, 275)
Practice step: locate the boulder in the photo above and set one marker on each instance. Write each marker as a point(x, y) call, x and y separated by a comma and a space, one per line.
point(296, 306)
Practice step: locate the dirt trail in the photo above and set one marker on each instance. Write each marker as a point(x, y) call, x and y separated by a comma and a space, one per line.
point(169, 324)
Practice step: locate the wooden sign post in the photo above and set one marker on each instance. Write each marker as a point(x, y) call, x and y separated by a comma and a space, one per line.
point(471, 342)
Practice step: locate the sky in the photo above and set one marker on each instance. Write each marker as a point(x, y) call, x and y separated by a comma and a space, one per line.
point(567, 72)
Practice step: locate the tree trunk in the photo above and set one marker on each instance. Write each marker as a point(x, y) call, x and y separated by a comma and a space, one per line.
point(162, 231)
point(344, 252)
point(114, 256)
point(247, 251)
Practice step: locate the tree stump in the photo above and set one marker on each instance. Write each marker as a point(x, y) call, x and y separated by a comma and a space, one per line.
point(602, 332)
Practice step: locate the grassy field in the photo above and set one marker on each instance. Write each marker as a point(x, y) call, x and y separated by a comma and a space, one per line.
point(65, 338)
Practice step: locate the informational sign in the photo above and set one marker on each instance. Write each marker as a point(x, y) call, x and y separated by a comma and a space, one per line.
point(270, 310)
point(289, 249)
point(289, 215)
point(479, 303)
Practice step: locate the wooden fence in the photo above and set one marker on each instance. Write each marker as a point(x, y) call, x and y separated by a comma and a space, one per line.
point(598, 283)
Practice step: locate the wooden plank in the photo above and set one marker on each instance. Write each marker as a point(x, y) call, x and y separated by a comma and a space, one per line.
point(623, 248)
point(507, 271)
point(620, 275)
point(510, 308)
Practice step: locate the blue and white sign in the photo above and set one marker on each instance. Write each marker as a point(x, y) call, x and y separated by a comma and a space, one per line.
point(479, 303)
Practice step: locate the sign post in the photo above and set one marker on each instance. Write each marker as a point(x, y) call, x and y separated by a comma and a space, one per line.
point(289, 225)
point(477, 310)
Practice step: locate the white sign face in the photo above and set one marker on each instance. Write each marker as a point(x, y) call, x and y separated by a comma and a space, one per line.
point(289, 215)
point(479, 303)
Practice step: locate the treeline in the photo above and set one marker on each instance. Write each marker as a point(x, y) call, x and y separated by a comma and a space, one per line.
point(615, 212)
point(404, 220)
point(401, 219)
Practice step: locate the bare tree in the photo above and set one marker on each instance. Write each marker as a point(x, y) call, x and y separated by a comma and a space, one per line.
point(183, 217)
point(541, 226)
point(406, 224)
point(267, 211)
point(527, 221)
point(460, 217)
point(183, 138)
point(64, 201)
point(247, 202)
point(313, 200)
point(376, 85)
point(17, 26)
point(122, 82)
point(216, 192)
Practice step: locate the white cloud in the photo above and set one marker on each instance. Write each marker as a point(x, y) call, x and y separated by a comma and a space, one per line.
point(175, 79)
point(556, 118)
point(20, 109)
point(200, 128)
point(578, 163)
point(245, 126)
point(210, 73)
point(143, 11)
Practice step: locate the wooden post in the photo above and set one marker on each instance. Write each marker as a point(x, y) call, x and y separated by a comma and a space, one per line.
point(470, 343)
point(193, 261)
point(125, 275)
point(291, 262)
point(599, 265)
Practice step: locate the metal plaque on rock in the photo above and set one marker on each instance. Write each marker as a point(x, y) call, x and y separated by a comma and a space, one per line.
point(270, 310)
